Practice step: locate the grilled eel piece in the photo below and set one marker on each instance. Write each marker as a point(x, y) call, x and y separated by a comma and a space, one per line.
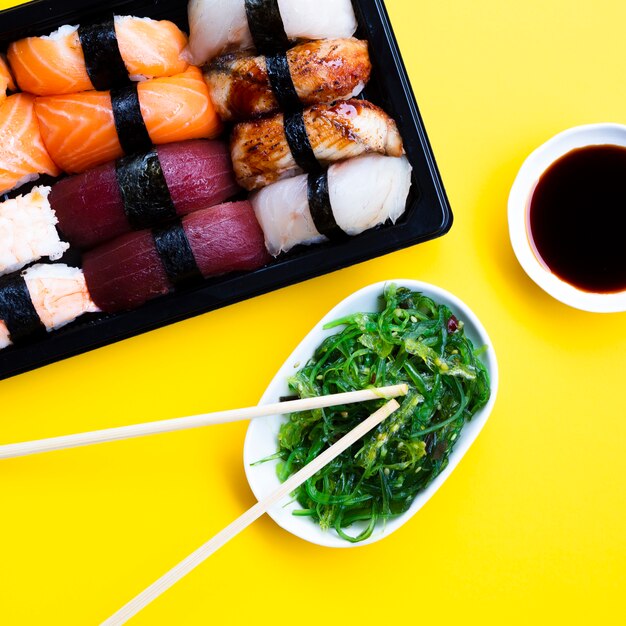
point(322, 72)
point(261, 153)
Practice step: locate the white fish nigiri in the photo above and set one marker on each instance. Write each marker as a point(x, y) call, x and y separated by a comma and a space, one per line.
point(59, 294)
point(220, 25)
point(27, 231)
point(364, 193)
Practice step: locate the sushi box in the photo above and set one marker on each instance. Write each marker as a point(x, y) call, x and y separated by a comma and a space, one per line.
point(428, 213)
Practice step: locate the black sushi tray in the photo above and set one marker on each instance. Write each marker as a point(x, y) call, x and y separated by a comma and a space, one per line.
point(428, 213)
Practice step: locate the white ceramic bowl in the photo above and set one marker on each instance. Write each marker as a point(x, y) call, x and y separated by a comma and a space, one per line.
point(261, 439)
point(519, 205)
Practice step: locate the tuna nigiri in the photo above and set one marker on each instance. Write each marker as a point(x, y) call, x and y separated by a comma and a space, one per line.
point(80, 130)
point(321, 71)
point(129, 271)
point(6, 79)
point(23, 155)
point(55, 64)
point(57, 293)
point(103, 203)
point(220, 25)
point(262, 154)
point(363, 193)
point(27, 231)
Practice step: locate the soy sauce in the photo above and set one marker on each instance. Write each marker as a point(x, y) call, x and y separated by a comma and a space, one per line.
point(578, 218)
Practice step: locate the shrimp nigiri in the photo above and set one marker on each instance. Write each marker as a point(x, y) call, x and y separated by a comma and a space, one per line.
point(23, 155)
point(80, 131)
point(55, 64)
point(58, 294)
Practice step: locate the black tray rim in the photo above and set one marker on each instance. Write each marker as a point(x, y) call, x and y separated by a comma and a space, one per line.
point(90, 333)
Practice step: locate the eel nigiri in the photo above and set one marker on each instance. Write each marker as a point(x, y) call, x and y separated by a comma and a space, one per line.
point(363, 192)
point(23, 155)
point(217, 26)
point(55, 64)
point(261, 153)
point(80, 130)
point(322, 72)
point(98, 205)
point(129, 271)
point(27, 231)
point(57, 293)
point(6, 79)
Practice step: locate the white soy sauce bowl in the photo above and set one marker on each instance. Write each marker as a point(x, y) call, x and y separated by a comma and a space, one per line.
point(262, 436)
point(519, 208)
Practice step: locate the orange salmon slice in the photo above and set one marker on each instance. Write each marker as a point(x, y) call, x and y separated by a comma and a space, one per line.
point(23, 155)
point(6, 79)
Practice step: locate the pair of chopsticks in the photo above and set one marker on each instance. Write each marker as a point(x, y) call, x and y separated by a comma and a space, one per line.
point(260, 508)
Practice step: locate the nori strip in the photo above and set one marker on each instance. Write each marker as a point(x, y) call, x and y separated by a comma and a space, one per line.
point(145, 194)
point(177, 256)
point(282, 83)
point(299, 144)
point(321, 208)
point(17, 310)
point(105, 67)
point(266, 26)
point(131, 128)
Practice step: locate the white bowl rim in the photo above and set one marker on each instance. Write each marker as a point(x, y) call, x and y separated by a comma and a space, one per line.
point(521, 193)
point(304, 527)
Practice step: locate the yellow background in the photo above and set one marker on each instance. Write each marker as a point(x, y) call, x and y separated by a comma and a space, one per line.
point(531, 526)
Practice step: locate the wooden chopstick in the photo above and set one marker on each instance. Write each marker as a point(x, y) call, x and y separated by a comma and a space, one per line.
point(183, 423)
point(201, 554)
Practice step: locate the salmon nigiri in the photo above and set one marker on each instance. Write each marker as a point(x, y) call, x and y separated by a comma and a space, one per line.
point(79, 130)
point(55, 64)
point(6, 79)
point(23, 155)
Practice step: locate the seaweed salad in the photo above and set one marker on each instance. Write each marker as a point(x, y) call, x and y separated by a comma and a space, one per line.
point(415, 341)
